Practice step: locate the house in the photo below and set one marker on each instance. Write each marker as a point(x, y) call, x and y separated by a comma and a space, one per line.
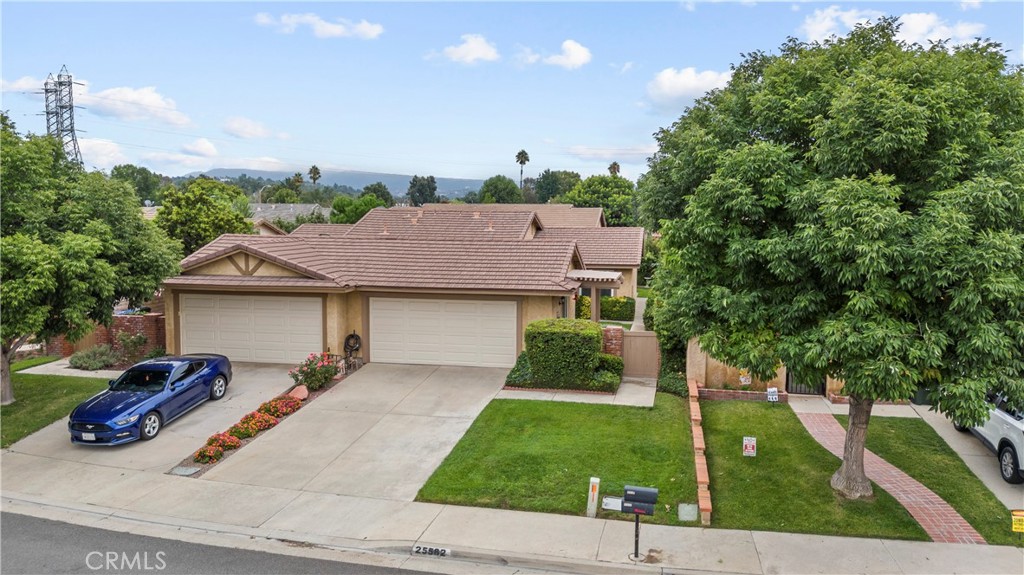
point(266, 228)
point(287, 212)
point(449, 287)
point(551, 215)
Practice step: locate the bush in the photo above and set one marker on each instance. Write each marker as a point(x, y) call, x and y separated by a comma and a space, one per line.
point(618, 308)
point(605, 381)
point(155, 353)
point(97, 357)
point(280, 406)
point(261, 421)
point(672, 382)
point(243, 430)
point(562, 353)
point(131, 345)
point(315, 371)
point(224, 441)
point(649, 313)
point(521, 374)
point(583, 307)
point(208, 454)
point(610, 363)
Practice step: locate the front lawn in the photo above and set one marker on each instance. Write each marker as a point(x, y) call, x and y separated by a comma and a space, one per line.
point(42, 399)
point(786, 486)
point(32, 362)
point(913, 446)
point(540, 456)
point(643, 292)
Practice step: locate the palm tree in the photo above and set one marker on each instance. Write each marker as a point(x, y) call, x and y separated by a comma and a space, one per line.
point(522, 158)
point(613, 168)
point(314, 174)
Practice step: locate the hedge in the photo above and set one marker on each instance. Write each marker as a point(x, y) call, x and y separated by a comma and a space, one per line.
point(618, 308)
point(583, 307)
point(610, 363)
point(605, 381)
point(563, 353)
point(649, 313)
point(521, 375)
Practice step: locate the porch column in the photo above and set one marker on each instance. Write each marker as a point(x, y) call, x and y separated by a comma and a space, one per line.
point(595, 304)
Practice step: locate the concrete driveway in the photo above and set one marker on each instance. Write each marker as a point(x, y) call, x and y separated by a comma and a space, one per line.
point(380, 433)
point(251, 385)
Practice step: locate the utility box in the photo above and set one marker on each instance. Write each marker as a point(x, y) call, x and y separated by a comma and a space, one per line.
point(640, 494)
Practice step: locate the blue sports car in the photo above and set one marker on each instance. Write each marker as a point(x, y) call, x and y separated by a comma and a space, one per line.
point(148, 396)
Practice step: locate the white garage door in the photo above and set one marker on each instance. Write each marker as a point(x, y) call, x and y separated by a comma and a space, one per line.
point(265, 329)
point(443, 332)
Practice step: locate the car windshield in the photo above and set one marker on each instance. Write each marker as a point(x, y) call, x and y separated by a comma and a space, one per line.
point(141, 380)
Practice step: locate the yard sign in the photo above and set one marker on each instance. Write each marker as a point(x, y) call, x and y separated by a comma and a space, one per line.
point(1018, 520)
point(750, 446)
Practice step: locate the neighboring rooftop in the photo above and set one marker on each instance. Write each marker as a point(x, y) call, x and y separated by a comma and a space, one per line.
point(551, 215)
point(325, 230)
point(447, 225)
point(286, 212)
point(602, 247)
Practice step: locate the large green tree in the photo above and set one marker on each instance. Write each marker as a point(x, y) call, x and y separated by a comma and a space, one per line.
point(72, 244)
point(613, 193)
point(423, 190)
point(349, 210)
point(551, 184)
point(382, 192)
point(500, 190)
point(200, 212)
point(853, 209)
point(146, 183)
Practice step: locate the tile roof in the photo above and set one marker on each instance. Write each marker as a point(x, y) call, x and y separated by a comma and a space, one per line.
point(513, 266)
point(551, 215)
point(602, 247)
point(329, 230)
point(285, 211)
point(447, 225)
point(250, 282)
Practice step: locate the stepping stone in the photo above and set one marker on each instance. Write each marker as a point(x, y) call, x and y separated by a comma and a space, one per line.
point(184, 471)
point(300, 392)
point(687, 512)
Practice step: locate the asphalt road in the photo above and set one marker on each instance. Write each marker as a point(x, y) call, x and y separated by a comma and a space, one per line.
point(39, 546)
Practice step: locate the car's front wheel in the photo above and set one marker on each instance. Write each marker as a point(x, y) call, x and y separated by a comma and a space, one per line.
point(150, 426)
point(1009, 466)
point(218, 388)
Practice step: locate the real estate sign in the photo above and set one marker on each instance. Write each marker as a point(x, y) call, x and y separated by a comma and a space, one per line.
point(750, 446)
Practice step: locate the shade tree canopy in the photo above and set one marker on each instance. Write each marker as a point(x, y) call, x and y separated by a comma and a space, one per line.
point(422, 190)
point(349, 210)
point(500, 190)
point(381, 191)
point(551, 184)
point(199, 212)
point(613, 193)
point(854, 209)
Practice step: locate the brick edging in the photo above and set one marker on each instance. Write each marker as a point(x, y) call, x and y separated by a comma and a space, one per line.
point(700, 460)
point(742, 395)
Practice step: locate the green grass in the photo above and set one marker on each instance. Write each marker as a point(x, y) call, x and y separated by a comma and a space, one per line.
point(40, 400)
point(786, 486)
point(643, 292)
point(32, 362)
point(623, 324)
point(540, 456)
point(913, 446)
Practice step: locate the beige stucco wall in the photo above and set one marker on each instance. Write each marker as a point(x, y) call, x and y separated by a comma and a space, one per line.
point(534, 308)
point(170, 323)
point(628, 288)
point(709, 372)
point(224, 267)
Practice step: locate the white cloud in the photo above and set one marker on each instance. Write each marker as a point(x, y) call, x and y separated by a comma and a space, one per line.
point(245, 128)
point(339, 28)
point(100, 153)
point(824, 23)
point(474, 48)
point(633, 153)
point(626, 67)
point(690, 6)
point(970, 4)
point(23, 84)
point(925, 27)
point(201, 147)
point(259, 163)
point(573, 56)
point(672, 87)
point(132, 104)
point(170, 162)
point(526, 56)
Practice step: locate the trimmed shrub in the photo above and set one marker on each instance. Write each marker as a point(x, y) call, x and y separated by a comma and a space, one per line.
point(649, 313)
point(609, 362)
point(605, 381)
point(618, 308)
point(562, 353)
point(224, 441)
point(131, 345)
point(97, 357)
point(521, 374)
point(583, 307)
point(280, 406)
point(672, 382)
point(315, 371)
point(155, 353)
point(208, 454)
point(261, 421)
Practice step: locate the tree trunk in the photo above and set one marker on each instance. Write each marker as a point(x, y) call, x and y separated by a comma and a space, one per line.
point(6, 389)
point(850, 480)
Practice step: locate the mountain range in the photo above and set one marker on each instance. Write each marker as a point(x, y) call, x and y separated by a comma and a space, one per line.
point(398, 184)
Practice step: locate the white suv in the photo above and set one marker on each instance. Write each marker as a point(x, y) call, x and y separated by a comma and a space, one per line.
point(1003, 433)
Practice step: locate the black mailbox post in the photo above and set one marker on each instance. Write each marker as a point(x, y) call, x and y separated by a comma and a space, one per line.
point(638, 501)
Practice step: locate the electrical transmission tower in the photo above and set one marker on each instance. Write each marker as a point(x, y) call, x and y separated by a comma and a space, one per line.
point(60, 113)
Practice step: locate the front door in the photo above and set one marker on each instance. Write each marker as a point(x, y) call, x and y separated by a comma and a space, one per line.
point(795, 384)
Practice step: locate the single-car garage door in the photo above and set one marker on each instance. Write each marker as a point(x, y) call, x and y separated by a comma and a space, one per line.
point(266, 329)
point(443, 332)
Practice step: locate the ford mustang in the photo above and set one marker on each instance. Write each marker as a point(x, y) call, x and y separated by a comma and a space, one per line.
point(148, 396)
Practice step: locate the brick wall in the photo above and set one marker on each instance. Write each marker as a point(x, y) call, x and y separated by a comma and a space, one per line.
point(150, 325)
point(612, 340)
point(708, 393)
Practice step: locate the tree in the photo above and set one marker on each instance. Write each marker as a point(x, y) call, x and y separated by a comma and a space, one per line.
point(500, 190)
point(522, 158)
point(146, 183)
point(853, 209)
point(613, 193)
point(422, 190)
point(381, 191)
point(551, 184)
point(200, 212)
point(314, 174)
point(282, 195)
point(613, 168)
point(349, 210)
point(294, 183)
point(72, 244)
point(530, 190)
point(315, 217)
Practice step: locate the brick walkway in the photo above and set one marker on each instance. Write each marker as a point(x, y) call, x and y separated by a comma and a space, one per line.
point(942, 523)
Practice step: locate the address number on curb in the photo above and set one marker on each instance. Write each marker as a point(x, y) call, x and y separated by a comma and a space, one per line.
point(431, 551)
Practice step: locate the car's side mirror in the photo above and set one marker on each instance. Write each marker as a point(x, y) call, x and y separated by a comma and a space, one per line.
point(110, 383)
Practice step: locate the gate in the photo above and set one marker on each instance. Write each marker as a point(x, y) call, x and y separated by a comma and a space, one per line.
point(641, 356)
point(794, 385)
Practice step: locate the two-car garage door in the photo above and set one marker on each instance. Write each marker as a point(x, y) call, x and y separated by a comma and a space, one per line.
point(266, 329)
point(443, 332)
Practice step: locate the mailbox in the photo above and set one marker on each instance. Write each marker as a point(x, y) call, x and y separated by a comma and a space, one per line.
point(637, 508)
point(640, 495)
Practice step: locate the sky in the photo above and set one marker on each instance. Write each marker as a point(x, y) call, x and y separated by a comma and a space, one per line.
point(446, 89)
